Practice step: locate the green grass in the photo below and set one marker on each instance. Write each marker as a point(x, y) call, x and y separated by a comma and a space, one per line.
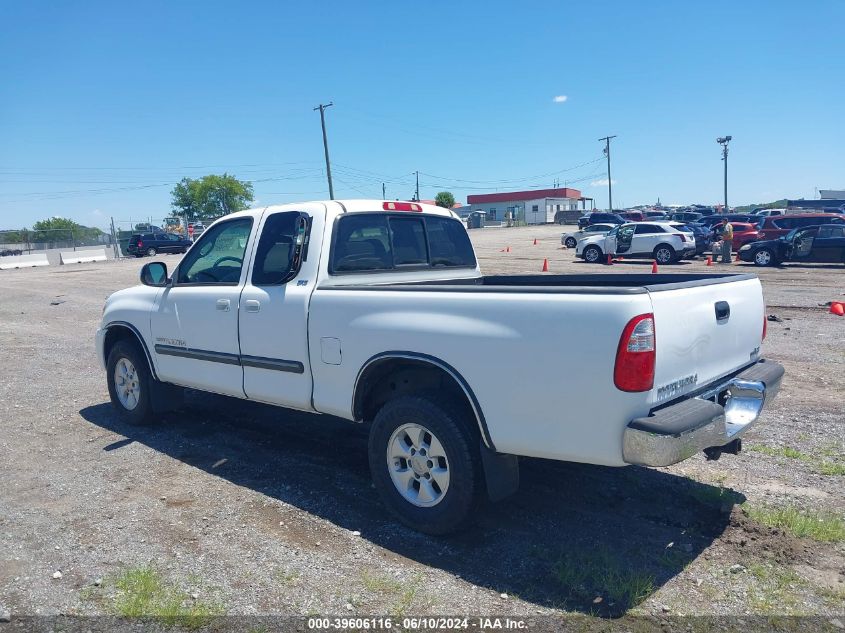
point(785, 451)
point(817, 526)
point(142, 592)
point(287, 576)
point(774, 591)
point(821, 466)
point(380, 584)
point(584, 576)
point(830, 468)
point(403, 592)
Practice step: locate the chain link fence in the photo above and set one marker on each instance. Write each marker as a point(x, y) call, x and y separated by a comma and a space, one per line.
point(114, 239)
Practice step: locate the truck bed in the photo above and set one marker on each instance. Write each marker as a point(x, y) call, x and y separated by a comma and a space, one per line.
point(637, 283)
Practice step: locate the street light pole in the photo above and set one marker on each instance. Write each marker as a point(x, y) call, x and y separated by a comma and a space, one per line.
point(723, 141)
point(606, 140)
point(322, 109)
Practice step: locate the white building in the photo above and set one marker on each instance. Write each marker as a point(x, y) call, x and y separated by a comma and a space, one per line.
point(532, 207)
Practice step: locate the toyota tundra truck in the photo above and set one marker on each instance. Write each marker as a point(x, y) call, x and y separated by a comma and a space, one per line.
point(377, 312)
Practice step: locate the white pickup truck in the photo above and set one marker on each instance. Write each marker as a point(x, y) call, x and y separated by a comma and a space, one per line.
point(377, 312)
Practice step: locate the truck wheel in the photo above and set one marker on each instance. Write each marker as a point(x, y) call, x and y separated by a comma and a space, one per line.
point(151, 252)
point(425, 464)
point(764, 257)
point(570, 242)
point(664, 254)
point(129, 383)
point(592, 254)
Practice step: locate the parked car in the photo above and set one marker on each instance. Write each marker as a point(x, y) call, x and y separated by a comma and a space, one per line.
point(11, 251)
point(767, 212)
point(702, 234)
point(685, 216)
point(600, 217)
point(655, 215)
point(632, 216)
point(662, 241)
point(377, 312)
point(743, 234)
point(141, 244)
point(712, 220)
point(570, 240)
point(773, 226)
point(825, 243)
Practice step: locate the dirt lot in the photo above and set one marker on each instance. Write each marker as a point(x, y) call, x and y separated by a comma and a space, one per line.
point(229, 507)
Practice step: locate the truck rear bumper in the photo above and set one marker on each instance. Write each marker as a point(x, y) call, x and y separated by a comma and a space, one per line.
point(715, 417)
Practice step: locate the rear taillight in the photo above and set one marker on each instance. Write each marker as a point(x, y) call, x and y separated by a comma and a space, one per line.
point(634, 369)
point(401, 206)
point(683, 237)
point(765, 325)
point(140, 244)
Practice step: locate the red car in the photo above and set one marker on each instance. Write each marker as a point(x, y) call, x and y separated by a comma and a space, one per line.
point(743, 234)
point(773, 226)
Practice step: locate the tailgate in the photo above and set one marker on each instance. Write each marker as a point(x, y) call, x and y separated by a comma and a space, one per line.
point(704, 332)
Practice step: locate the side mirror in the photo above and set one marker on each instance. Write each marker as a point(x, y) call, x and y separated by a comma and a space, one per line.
point(155, 274)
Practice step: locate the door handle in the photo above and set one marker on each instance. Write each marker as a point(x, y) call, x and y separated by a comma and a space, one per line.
point(223, 305)
point(252, 305)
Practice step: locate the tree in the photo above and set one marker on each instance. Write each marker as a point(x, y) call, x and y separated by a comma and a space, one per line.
point(211, 196)
point(58, 229)
point(444, 199)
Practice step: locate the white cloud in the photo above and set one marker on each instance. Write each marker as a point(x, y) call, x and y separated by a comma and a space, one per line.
point(560, 99)
point(602, 182)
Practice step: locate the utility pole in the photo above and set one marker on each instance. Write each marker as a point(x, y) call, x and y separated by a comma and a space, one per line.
point(723, 141)
point(322, 109)
point(417, 194)
point(606, 140)
point(383, 192)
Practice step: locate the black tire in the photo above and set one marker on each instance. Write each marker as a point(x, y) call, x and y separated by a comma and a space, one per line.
point(592, 254)
point(570, 242)
point(664, 254)
point(142, 413)
point(765, 257)
point(151, 251)
point(464, 492)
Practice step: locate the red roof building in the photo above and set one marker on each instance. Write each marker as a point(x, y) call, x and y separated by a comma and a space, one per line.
point(538, 206)
point(514, 196)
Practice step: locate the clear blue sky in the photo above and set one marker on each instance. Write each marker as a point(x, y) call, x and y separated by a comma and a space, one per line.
point(100, 99)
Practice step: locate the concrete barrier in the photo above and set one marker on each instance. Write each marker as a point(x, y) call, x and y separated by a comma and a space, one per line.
point(82, 257)
point(23, 261)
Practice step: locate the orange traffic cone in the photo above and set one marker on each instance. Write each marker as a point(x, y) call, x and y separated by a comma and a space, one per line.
point(709, 260)
point(535, 241)
point(654, 267)
point(609, 259)
point(545, 265)
point(837, 308)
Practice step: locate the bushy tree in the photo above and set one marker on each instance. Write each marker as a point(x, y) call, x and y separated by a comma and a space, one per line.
point(58, 229)
point(445, 199)
point(211, 196)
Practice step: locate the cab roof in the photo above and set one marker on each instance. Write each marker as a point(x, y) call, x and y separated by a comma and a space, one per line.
point(340, 207)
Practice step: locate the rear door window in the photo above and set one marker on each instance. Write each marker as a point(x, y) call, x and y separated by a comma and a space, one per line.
point(409, 241)
point(378, 242)
point(448, 242)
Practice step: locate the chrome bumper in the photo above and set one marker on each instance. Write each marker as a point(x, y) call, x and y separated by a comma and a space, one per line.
point(715, 417)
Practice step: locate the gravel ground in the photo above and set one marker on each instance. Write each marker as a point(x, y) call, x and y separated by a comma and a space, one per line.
point(248, 509)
